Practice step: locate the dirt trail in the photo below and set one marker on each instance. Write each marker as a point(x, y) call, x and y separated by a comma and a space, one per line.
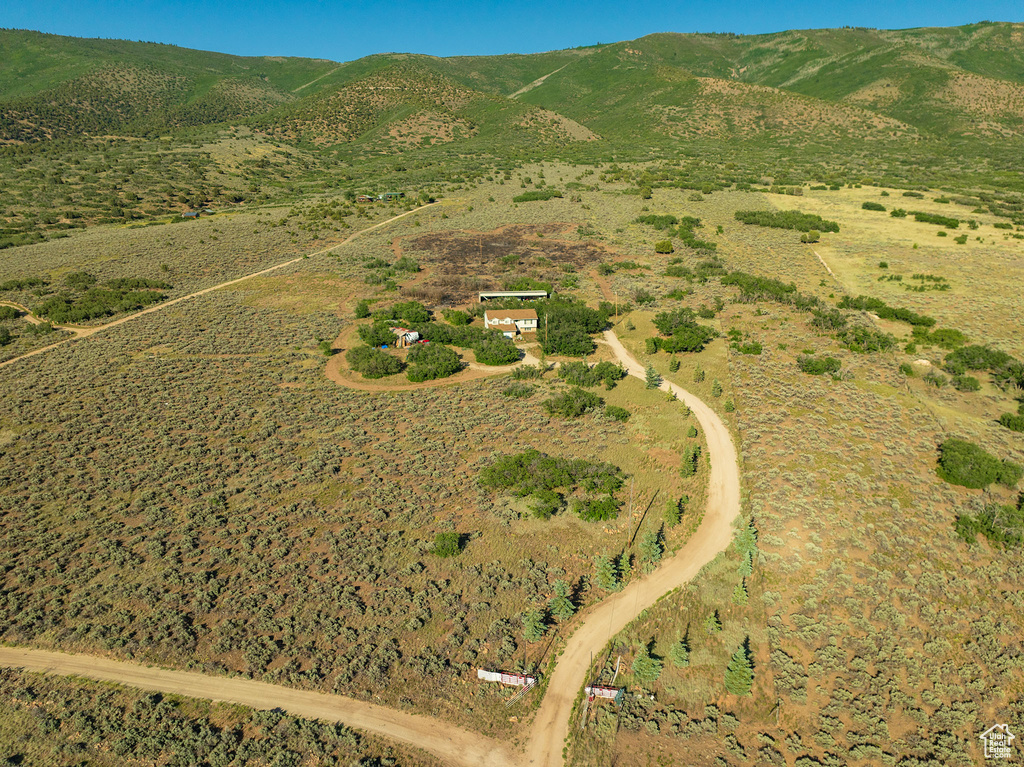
point(538, 81)
point(84, 332)
point(611, 615)
point(452, 744)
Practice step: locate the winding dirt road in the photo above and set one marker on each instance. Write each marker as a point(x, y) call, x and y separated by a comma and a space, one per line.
point(610, 616)
point(452, 744)
point(84, 332)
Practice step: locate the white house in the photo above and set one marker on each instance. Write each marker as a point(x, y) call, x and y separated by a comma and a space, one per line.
point(511, 322)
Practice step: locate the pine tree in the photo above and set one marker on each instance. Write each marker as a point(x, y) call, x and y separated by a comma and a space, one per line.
point(739, 594)
point(646, 668)
point(716, 389)
point(713, 624)
point(739, 676)
point(533, 625)
point(674, 511)
point(679, 654)
point(606, 573)
point(692, 431)
point(673, 364)
point(698, 375)
point(653, 378)
point(560, 605)
point(746, 567)
point(651, 550)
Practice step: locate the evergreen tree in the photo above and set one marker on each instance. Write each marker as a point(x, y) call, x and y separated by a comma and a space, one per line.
point(653, 378)
point(651, 550)
point(747, 565)
point(692, 431)
point(713, 624)
point(739, 594)
point(679, 654)
point(606, 573)
point(739, 676)
point(698, 375)
point(716, 389)
point(560, 605)
point(533, 625)
point(646, 668)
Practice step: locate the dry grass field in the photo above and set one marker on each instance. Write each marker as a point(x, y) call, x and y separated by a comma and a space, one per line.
point(191, 489)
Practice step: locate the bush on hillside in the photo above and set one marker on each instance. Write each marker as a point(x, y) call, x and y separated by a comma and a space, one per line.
point(428, 362)
point(966, 464)
point(372, 363)
point(817, 366)
point(573, 403)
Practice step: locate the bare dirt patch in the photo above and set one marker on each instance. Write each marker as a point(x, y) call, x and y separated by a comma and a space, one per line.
point(464, 262)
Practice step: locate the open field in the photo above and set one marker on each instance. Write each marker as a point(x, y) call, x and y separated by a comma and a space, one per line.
point(192, 488)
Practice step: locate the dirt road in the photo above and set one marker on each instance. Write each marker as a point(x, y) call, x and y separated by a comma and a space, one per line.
point(610, 616)
point(451, 744)
point(84, 332)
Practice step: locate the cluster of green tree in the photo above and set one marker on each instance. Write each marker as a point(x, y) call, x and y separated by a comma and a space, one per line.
point(8, 313)
point(96, 302)
point(865, 340)
point(946, 338)
point(1013, 421)
point(690, 461)
point(684, 333)
point(934, 218)
point(24, 284)
point(406, 312)
point(428, 362)
point(573, 403)
point(372, 362)
point(737, 343)
point(582, 374)
point(536, 474)
point(786, 219)
point(873, 206)
point(659, 222)
point(964, 463)
point(490, 347)
point(537, 194)
point(1000, 523)
point(690, 240)
point(1007, 373)
point(599, 509)
point(817, 366)
point(566, 325)
point(886, 312)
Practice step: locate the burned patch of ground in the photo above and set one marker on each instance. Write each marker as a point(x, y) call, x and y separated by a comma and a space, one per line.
point(465, 262)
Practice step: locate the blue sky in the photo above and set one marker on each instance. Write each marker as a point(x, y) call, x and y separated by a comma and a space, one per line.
point(348, 30)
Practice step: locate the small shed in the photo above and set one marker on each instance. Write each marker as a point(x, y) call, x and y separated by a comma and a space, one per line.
point(615, 694)
point(365, 198)
point(190, 214)
point(525, 295)
point(405, 337)
point(514, 680)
